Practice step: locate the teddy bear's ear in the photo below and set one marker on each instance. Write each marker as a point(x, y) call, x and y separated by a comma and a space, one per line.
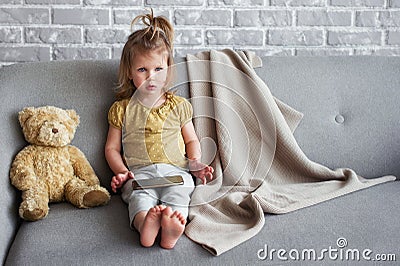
point(74, 116)
point(25, 114)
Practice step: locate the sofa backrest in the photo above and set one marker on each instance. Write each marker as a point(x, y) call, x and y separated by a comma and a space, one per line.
point(350, 106)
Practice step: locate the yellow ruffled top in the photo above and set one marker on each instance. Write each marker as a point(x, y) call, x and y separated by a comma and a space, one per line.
point(152, 135)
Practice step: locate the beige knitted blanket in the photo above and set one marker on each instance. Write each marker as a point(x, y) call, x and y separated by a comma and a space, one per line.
point(247, 136)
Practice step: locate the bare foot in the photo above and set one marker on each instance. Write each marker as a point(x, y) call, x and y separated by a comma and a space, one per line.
point(151, 226)
point(172, 227)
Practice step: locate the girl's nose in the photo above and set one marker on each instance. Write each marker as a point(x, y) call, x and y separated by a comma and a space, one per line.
point(151, 75)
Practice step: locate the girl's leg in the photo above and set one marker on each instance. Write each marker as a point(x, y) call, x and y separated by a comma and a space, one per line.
point(177, 198)
point(144, 214)
point(138, 200)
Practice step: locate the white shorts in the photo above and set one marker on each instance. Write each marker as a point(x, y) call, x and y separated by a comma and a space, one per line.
point(177, 197)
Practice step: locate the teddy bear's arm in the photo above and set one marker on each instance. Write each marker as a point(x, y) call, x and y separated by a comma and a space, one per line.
point(22, 174)
point(82, 168)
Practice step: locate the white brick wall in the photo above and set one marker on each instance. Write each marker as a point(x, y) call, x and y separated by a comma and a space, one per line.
point(43, 30)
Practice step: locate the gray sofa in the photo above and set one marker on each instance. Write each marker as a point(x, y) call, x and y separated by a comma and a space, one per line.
point(351, 119)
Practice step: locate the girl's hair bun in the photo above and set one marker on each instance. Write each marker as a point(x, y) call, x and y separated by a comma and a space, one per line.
point(156, 26)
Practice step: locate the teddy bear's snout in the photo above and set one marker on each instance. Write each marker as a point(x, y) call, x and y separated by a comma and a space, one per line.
point(54, 130)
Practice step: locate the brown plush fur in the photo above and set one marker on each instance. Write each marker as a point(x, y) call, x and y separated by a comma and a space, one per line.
point(50, 169)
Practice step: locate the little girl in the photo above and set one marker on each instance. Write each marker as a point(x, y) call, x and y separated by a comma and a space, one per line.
point(154, 129)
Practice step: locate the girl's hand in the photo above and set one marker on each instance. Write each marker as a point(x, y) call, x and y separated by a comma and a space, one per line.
point(119, 179)
point(201, 171)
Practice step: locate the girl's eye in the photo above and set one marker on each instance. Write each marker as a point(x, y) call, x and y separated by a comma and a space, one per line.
point(159, 68)
point(142, 69)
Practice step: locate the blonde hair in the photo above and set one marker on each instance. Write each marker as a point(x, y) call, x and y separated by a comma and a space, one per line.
point(158, 35)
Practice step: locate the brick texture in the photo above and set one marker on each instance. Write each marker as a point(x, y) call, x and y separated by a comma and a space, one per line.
point(44, 30)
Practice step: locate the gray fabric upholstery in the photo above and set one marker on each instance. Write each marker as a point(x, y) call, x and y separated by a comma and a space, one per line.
point(101, 236)
point(364, 90)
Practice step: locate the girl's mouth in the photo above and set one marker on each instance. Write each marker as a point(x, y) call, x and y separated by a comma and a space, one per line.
point(151, 87)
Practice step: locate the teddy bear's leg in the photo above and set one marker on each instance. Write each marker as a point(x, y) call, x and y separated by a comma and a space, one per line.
point(35, 204)
point(84, 196)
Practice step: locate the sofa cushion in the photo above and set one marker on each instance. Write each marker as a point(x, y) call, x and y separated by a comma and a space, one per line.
point(101, 236)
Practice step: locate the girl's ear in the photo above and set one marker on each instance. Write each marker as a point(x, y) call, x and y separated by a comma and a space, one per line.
point(129, 74)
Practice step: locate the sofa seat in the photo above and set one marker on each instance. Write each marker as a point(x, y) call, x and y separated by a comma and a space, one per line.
point(101, 236)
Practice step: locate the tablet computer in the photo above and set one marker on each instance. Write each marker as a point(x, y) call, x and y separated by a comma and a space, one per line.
point(157, 182)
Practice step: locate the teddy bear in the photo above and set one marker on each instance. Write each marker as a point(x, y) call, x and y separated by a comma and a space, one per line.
point(50, 169)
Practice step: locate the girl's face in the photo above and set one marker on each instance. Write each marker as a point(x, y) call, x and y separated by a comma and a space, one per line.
point(149, 73)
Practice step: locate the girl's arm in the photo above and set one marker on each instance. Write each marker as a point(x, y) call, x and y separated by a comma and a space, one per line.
point(114, 158)
point(193, 152)
point(192, 144)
